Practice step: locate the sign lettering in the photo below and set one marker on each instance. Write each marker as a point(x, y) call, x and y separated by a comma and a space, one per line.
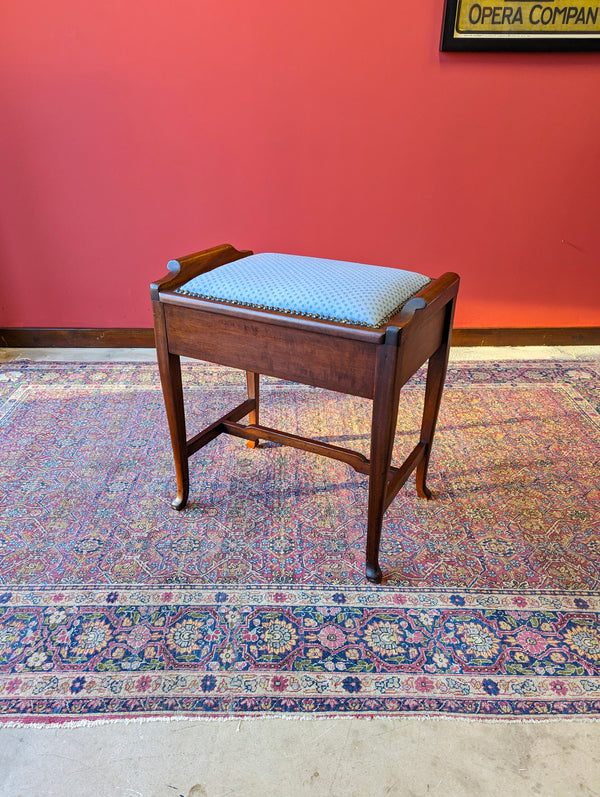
point(527, 18)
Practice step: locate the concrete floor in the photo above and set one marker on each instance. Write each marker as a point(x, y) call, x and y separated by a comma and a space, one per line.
point(328, 758)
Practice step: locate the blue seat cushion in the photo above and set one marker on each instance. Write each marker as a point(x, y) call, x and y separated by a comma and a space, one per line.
point(330, 290)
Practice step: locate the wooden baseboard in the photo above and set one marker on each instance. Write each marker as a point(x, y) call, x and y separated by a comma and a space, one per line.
point(525, 336)
point(144, 338)
point(77, 338)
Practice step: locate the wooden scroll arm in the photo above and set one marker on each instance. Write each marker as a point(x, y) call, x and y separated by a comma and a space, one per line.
point(437, 293)
point(186, 268)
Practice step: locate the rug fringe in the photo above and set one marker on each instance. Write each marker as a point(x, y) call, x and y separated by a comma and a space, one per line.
point(55, 724)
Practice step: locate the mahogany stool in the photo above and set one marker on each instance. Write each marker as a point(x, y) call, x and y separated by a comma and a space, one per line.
point(349, 327)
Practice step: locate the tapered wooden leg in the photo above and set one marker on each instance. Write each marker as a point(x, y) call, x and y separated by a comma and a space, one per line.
point(383, 427)
point(436, 377)
point(169, 367)
point(253, 381)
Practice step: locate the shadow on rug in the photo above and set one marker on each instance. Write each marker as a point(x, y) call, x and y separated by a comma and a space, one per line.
point(253, 601)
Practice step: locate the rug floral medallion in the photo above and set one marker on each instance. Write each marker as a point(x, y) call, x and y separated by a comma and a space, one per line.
point(253, 601)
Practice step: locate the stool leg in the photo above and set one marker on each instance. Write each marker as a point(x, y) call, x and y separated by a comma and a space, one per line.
point(169, 366)
point(436, 378)
point(253, 382)
point(383, 428)
point(436, 375)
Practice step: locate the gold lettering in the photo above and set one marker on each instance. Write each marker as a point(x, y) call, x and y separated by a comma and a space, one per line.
point(508, 17)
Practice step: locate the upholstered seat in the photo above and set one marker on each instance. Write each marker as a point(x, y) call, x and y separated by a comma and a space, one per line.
point(331, 290)
point(350, 327)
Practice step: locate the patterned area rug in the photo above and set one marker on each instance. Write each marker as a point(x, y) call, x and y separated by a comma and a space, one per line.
point(253, 601)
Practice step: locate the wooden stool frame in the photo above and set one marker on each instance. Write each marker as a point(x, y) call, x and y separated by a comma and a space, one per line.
point(372, 363)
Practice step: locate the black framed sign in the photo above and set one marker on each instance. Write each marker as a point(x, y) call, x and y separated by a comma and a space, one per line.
point(543, 25)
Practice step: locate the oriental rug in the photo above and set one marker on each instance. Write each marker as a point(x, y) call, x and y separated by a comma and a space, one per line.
point(253, 600)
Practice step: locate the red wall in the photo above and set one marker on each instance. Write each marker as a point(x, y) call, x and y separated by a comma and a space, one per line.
point(136, 131)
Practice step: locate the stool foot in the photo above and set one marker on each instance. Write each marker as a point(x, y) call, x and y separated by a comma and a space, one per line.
point(180, 502)
point(420, 481)
point(374, 574)
point(423, 491)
